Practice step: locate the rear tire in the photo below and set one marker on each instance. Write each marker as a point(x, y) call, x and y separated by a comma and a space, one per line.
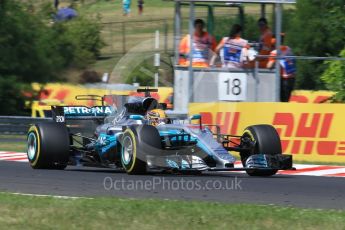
point(48, 146)
point(137, 142)
point(267, 141)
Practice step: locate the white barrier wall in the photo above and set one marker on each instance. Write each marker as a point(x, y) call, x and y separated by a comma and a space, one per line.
point(212, 85)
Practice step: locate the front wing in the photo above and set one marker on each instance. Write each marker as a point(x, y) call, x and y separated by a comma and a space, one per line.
point(195, 163)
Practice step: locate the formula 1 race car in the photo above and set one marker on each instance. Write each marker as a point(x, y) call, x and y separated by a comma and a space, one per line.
point(134, 134)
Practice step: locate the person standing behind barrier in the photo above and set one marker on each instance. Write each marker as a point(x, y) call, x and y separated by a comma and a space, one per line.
point(126, 4)
point(233, 49)
point(203, 44)
point(264, 41)
point(287, 71)
point(140, 6)
point(56, 4)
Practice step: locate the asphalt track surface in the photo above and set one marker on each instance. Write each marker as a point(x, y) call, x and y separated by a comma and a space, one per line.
point(287, 190)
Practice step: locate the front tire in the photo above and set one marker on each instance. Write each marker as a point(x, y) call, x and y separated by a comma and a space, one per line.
point(137, 142)
point(266, 141)
point(48, 146)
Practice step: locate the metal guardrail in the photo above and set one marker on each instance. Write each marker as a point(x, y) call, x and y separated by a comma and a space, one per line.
point(311, 58)
point(20, 125)
point(17, 124)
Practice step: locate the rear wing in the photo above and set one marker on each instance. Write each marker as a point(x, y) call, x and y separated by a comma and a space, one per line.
point(62, 113)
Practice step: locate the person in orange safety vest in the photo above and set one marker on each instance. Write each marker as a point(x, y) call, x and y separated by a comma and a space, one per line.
point(203, 46)
point(287, 71)
point(265, 45)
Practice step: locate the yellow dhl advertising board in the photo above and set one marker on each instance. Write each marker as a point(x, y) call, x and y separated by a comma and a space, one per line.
point(66, 93)
point(309, 96)
point(311, 132)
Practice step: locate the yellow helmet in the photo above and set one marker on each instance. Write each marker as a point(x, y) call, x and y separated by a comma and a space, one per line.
point(156, 117)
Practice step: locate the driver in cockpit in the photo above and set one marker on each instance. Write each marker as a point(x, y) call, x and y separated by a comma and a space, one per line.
point(156, 117)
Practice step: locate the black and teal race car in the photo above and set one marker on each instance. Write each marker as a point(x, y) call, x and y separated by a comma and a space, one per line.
point(135, 135)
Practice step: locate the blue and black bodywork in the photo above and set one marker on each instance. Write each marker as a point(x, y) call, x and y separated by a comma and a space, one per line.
point(120, 136)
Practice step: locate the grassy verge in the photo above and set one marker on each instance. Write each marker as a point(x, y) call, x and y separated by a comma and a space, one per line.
point(106, 65)
point(13, 147)
point(15, 143)
point(114, 213)
point(112, 10)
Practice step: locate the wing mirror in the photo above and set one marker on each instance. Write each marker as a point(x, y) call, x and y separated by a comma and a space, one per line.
point(195, 117)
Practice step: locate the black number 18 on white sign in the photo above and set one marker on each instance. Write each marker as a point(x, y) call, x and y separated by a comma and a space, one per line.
point(232, 87)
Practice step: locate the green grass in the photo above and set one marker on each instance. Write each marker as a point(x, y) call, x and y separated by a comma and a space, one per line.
point(105, 65)
point(27, 212)
point(112, 10)
point(15, 147)
point(14, 136)
point(7, 143)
